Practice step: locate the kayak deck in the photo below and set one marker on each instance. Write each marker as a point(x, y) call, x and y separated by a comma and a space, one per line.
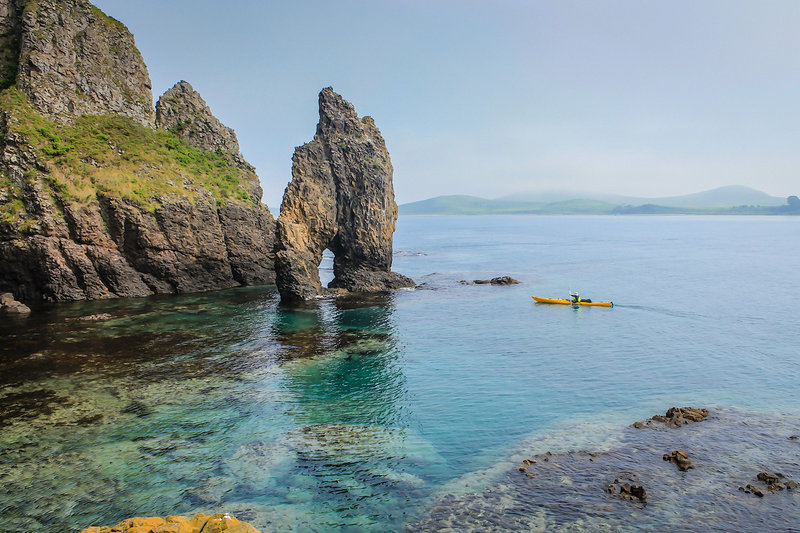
point(563, 301)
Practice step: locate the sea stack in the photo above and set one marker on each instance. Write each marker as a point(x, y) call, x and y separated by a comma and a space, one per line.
point(340, 198)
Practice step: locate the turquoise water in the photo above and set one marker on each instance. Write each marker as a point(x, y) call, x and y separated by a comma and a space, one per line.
point(359, 414)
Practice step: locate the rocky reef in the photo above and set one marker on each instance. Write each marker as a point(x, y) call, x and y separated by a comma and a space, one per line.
point(178, 524)
point(625, 485)
point(95, 202)
point(340, 198)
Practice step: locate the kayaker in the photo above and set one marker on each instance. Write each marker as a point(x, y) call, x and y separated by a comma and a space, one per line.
point(576, 298)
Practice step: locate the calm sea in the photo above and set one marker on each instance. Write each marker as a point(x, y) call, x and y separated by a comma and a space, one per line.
point(358, 415)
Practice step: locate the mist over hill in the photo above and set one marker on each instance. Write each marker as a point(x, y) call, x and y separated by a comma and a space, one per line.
point(733, 199)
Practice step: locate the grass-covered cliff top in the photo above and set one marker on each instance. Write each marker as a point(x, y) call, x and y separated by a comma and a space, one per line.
point(114, 156)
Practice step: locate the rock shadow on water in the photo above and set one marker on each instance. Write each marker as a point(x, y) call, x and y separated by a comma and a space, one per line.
point(341, 364)
point(630, 487)
point(349, 325)
point(161, 337)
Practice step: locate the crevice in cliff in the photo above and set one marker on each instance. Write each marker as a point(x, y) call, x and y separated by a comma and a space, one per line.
point(104, 205)
point(234, 274)
point(10, 40)
point(74, 268)
point(69, 217)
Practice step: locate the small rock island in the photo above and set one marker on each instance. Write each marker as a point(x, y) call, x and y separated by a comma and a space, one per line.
point(340, 198)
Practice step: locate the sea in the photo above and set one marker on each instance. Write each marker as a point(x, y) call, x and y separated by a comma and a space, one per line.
point(410, 410)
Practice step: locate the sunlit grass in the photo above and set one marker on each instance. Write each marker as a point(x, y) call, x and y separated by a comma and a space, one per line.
point(111, 155)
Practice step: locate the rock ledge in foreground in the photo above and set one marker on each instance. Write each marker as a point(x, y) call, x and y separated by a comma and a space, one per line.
point(201, 523)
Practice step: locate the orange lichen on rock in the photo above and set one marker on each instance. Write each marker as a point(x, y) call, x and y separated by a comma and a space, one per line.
point(202, 523)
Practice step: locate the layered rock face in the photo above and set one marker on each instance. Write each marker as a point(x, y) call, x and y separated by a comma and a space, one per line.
point(104, 206)
point(75, 60)
point(340, 198)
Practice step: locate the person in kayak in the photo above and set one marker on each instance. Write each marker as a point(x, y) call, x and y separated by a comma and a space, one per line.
point(576, 298)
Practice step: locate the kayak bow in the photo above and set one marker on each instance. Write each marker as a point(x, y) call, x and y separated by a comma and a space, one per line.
point(570, 302)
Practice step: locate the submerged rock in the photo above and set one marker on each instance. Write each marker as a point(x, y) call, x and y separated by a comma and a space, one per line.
point(177, 524)
point(91, 318)
point(773, 481)
point(340, 198)
point(750, 489)
point(583, 491)
point(776, 481)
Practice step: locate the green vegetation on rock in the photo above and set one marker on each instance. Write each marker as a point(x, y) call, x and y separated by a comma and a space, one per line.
point(111, 155)
point(109, 20)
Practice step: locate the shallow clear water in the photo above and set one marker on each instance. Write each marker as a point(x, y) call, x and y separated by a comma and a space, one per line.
point(359, 415)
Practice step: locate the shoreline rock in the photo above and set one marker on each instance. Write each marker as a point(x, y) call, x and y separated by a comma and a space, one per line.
point(10, 305)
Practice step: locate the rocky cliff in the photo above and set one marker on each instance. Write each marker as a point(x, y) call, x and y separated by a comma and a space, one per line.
point(340, 198)
point(75, 60)
point(94, 203)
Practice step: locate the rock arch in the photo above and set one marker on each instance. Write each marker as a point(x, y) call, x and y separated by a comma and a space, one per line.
point(340, 198)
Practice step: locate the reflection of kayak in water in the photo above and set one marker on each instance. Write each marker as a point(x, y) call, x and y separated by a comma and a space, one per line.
point(563, 301)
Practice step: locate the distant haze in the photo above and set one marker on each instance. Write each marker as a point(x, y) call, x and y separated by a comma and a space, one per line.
point(494, 98)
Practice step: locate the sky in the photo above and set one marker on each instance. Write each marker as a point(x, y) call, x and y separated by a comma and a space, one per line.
point(650, 99)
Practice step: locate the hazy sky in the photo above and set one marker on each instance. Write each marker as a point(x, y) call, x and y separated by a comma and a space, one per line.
point(489, 98)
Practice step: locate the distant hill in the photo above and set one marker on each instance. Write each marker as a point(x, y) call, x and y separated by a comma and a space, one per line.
point(728, 196)
point(472, 205)
point(733, 199)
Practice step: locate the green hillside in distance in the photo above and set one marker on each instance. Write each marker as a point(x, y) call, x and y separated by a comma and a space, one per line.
point(728, 196)
point(733, 199)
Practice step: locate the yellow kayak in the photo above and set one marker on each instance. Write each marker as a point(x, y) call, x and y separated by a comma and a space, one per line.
point(562, 301)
